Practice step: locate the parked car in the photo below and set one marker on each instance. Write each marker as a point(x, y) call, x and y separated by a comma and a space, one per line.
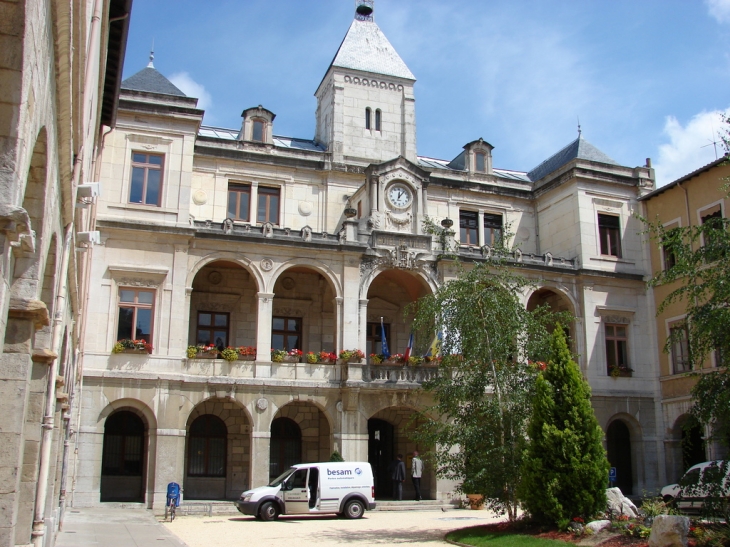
point(345, 488)
point(695, 486)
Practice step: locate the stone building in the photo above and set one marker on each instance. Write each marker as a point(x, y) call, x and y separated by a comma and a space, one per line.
point(688, 201)
point(60, 71)
point(240, 237)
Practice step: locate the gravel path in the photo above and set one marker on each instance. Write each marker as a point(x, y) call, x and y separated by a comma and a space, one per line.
point(412, 528)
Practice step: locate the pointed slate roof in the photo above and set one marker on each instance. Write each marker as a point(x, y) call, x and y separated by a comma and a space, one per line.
point(578, 149)
point(149, 79)
point(366, 48)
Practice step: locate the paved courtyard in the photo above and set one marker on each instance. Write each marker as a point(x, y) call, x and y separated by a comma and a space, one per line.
point(412, 528)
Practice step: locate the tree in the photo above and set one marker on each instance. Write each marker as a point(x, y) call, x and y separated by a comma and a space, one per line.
point(565, 469)
point(486, 378)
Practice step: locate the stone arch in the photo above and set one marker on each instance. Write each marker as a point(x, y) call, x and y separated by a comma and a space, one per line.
point(242, 261)
point(322, 269)
point(624, 448)
point(389, 434)
point(389, 293)
point(570, 303)
point(135, 405)
point(306, 313)
point(237, 475)
point(49, 285)
point(316, 428)
point(425, 275)
point(222, 304)
point(687, 446)
point(559, 300)
point(125, 458)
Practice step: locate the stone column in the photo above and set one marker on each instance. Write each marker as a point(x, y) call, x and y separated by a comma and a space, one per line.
point(260, 446)
point(265, 306)
point(253, 205)
point(480, 228)
point(363, 319)
point(179, 303)
point(339, 322)
point(168, 445)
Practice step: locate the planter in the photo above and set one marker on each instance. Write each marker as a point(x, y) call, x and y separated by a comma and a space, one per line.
point(206, 355)
point(128, 350)
point(476, 501)
point(246, 357)
point(394, 362)
point(291, 359)
point(613, 373)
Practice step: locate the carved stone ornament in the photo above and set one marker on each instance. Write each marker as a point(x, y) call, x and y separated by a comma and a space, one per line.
point(215, 277)
point(268, 229)
point(306, 234)
point(207, 305)
point(548, 259)
point(486, 251)
point(290, 312)
point(227, 226)
point(339, 406)
point(288, 283)
point(262, 404)
point(200, 198)
point(399, 222)
point(267, 264)
point(137, 282)
point(518, 255)
point(620, 319)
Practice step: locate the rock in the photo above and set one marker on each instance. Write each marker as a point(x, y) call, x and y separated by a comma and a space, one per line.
point(618, 504)
point(669, 531)
point(598, 525)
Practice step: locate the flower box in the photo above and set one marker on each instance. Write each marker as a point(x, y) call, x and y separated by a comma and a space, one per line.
point(246, 357)
point(130, 350)
point(620, 372)
point(291, 359)
point(206, 355)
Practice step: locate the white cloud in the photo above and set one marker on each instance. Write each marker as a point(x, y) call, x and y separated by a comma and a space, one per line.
point(690, 147)
point(719, 9)
point(191, 88)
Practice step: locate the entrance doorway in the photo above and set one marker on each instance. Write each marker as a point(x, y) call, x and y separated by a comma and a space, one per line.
point(618, 439)
point(122, 460)
point(286, 446)
point(381, 443)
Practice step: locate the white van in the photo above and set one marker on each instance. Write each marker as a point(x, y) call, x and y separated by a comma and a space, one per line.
point(345, 488)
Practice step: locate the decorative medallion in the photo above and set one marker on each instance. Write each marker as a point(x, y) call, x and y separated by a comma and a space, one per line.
point(267, 264)
point(215, 277)
point(339, 406)
point(288, 283)
point(262, 404)
point(305, 208)
point(200, 198)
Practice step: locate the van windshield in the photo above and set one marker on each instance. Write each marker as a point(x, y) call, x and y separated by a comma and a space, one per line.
point(281, 478)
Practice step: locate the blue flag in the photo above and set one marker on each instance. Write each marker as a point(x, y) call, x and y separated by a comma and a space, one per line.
point(385, 351)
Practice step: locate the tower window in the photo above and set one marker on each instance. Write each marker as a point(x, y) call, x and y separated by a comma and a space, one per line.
point(378, 116)
point(610, 235)
point(368, 114)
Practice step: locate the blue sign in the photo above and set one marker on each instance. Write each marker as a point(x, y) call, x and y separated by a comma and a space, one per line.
point(612, 474)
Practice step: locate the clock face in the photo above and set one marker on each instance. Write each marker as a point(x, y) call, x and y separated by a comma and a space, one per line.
point(399, 195)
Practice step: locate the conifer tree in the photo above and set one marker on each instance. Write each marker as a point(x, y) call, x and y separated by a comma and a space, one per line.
point(565, 469)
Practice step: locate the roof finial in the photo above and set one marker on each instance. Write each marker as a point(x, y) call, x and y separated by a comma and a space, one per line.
point(579, 129)
point(152, 55)
point(364, 10)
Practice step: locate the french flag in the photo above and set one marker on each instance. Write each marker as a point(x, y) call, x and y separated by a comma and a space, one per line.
point(407, 354)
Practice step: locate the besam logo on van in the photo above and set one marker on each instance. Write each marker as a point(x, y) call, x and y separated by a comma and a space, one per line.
point(338, 472)
point(358, 471)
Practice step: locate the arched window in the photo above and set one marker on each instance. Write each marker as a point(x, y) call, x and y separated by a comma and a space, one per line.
point(378, 116)
point(286, 446)
point(368, 113)
point(207, 441)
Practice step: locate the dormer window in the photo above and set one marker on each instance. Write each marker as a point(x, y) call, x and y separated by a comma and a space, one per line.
point(257, 133)
point(258, 125)
point(378, 116)
point(368, 116)
point(480, 161)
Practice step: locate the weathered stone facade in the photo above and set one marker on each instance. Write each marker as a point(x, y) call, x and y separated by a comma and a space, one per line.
point(245, 238)
point(53, 63)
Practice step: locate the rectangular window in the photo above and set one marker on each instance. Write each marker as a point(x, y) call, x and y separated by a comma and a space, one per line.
point(146, 183)
point(468, 222)
point(268, 210)
point(136, 308)
point(257, 131)
point(378, 117)
point(481, 163)
point(367, 118)
point(712, 242)
point(616, 349)
point(679, 348)
point(492, 229)
point(239, 198)
point(609, 232)
point(286, 333)
point(212, 329)
point(374, 340)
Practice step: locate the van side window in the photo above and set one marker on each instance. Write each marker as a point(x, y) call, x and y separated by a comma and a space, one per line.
point(298, 479)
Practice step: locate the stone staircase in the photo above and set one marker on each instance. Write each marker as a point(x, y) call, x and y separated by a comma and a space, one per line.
point(410, 505)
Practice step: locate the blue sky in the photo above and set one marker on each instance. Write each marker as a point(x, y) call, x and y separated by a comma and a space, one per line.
point(646, 78)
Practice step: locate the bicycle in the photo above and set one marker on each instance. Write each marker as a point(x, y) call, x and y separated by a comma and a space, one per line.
point(173, 499)
point(173, 505)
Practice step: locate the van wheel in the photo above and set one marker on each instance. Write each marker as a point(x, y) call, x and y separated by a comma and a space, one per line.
point(269, 511)
point(354, 509)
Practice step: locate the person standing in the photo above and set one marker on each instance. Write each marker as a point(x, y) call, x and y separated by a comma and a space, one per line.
point(398, 474)
point(416, 472)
